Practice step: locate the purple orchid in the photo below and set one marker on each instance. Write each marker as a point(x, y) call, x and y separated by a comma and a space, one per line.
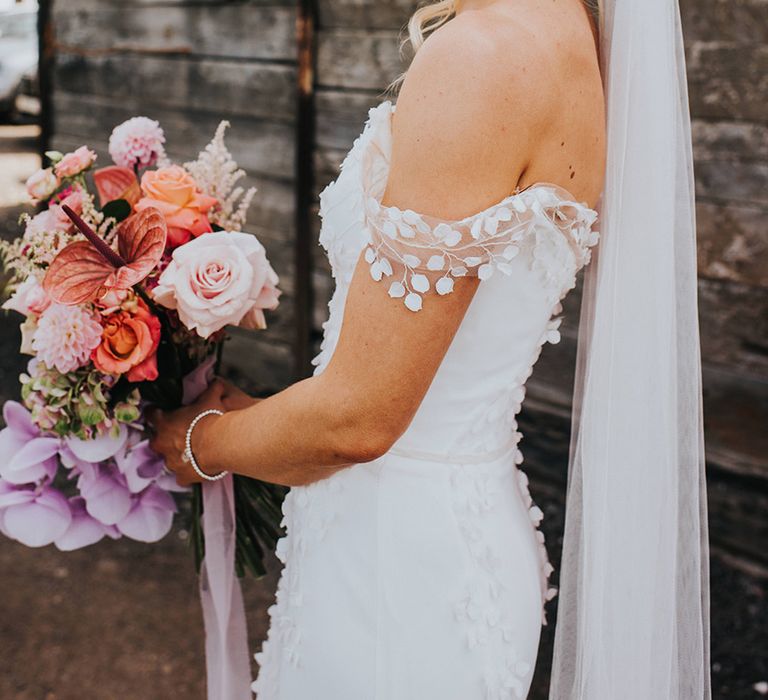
point(26, 454)
point(83, 530)
point(151, 515)
point(33, 516)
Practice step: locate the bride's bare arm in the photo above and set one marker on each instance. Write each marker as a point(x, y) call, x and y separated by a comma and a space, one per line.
point(460, 145)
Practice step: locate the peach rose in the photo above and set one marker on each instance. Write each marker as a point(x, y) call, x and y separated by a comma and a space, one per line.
point(173, 191)
point(219, 279)
point(42, 184)
point(74, 163)
point(129, 344)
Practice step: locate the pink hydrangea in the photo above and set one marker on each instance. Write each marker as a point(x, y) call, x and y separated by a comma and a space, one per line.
point(137, 143)
point(65, 337)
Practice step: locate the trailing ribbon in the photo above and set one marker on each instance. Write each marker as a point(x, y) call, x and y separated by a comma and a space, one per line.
point(226, 636)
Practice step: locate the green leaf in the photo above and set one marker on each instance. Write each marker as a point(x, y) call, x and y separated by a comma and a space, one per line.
point(90, 415)
point(118, 209)
point(126, 412)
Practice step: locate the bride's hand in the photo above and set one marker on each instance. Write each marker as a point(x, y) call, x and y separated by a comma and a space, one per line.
point(170, 427)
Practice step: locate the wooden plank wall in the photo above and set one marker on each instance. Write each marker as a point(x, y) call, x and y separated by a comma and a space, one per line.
point(189, 63)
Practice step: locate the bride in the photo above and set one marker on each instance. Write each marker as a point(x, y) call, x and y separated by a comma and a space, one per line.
point(413, 567)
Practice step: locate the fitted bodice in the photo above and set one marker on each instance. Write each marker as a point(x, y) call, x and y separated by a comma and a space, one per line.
point(471, 405)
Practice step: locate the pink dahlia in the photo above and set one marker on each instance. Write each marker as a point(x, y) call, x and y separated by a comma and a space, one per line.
point(137, 142)
point(65, 337)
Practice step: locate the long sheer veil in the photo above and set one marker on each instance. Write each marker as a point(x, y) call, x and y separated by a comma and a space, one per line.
point(633, 610)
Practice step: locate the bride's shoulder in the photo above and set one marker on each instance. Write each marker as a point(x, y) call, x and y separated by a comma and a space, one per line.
point(479, 54)
point(467, 117)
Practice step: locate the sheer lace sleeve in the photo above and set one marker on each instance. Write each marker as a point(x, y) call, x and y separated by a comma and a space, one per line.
point(416, 255)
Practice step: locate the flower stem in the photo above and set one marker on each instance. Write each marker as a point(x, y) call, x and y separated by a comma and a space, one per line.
point(112, 257)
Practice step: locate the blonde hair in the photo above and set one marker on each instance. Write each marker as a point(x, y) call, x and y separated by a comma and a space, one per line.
point(430, 17)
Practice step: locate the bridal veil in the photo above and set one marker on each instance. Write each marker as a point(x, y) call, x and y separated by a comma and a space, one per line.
point(633, 610)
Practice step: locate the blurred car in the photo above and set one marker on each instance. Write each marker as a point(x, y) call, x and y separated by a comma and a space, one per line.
point(18, 63)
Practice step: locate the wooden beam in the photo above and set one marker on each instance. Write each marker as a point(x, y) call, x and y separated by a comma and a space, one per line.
point(305, 137)
point(46, 63)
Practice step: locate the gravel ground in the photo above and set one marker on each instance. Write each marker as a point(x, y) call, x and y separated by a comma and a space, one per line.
point(121, 620)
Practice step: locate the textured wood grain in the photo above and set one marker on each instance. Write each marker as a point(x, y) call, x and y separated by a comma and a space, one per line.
point(728, 80)
point(355, 58)
point(220, 87)
point(743, 21)
point(364, 13)
point(733, 243)
point(230, 30)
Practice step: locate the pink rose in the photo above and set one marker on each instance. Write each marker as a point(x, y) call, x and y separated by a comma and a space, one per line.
point(29, 298)
point(42, 184)
point(54, 218)
point(74, 163)
point(174, 192)
point(219, 279)
point(74, 200)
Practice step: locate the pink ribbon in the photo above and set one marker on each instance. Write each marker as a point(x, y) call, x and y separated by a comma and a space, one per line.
point(226, 636)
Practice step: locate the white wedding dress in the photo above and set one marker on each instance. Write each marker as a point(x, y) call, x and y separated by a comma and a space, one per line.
point(421, 575)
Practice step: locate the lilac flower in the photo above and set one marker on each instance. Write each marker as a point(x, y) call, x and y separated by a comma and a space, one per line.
point(26, 455)
point(99, 448)
point(139, 465)
point(107, 498)
point(151, 515)
point(33, 516)
point(83, 530)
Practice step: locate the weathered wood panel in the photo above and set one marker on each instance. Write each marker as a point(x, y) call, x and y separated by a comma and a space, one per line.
point(341, 115)
point(733, 243)
point(363, 13)
point(228, 29)
point(221, 87)
point(262, 148)
point(359, 59)
point(67, 5)
point(742, 21)
point(728, 81)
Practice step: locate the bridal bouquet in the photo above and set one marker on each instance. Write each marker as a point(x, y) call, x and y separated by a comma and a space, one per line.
point(126, 280)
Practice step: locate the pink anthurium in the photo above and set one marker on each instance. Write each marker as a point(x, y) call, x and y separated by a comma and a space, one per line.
point(116, 182)
point(87, 270)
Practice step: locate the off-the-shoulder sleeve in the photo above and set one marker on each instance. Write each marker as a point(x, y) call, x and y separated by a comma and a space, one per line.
point(417, 255)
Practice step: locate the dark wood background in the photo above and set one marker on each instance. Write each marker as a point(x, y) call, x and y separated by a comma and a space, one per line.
point(191, 63)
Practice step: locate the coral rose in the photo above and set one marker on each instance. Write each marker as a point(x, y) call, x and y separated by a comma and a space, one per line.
point(74, 163)
point(129, 344)
point(174, 192)
point(219, 279)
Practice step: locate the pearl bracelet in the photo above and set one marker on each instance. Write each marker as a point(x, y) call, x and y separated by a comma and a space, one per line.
point(188, 446)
